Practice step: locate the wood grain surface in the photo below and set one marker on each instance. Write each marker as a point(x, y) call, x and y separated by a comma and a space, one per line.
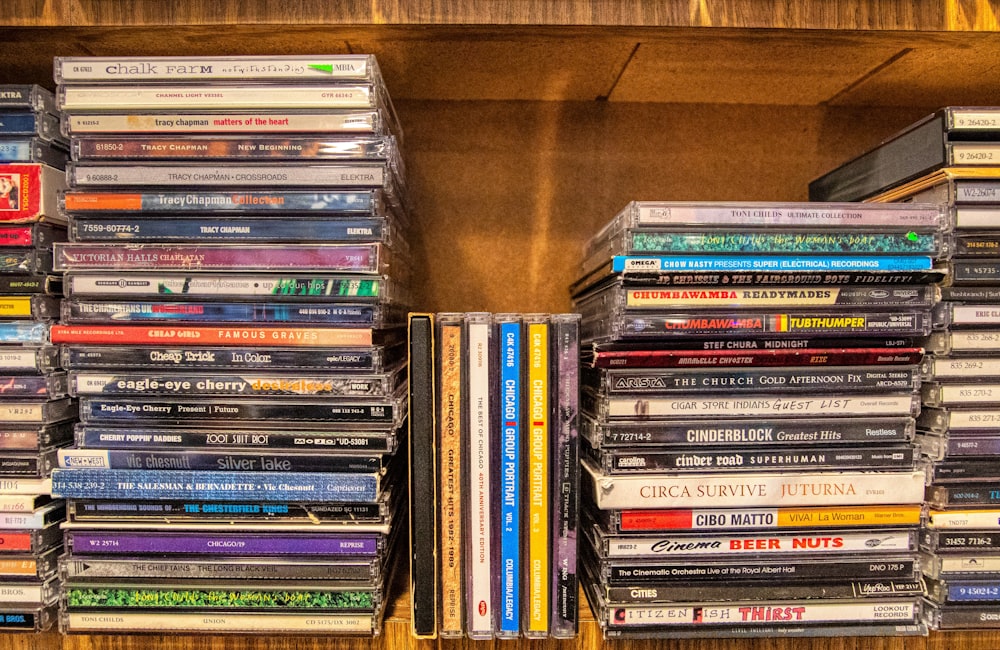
point(844, 14)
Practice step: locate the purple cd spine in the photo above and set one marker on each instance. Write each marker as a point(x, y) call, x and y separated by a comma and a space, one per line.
point(83, 542)
point(565, 474)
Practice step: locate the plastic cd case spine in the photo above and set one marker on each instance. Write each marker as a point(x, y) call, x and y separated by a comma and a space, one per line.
point(961, 394)
point(865, 379)
point(35, 307)
point(35, 235)
point(215, 622)
point(29, 437)
point(75, 99)
point(29, 360)
point(205, 384)
point(759, 489)
point(46, 515)
point(346, 438)
point(600, 326)
point(24, 501)
point(728, 520)
point(37, 463)
point(327, 175)
point(195, 147)
point(510, 418)
point(100, 569)
point(974, 519)
point(959, 316)
point(357, 258)
point(34, 566)
point(793, 296)
point(451, 383)
point(565, 473)
point(17, 284)
point(30, 261)
point(155, 542)
point(628, 461)
point(720, 593)
point(258, 597)
point(966, 565)
point(891, 216)
point(537, 590)
point(226, 460)
point(28, 617)
point(732, 241)
point(24, 332)
point(622, 572)
point(958, 368)
point(747, 434)
point(75, 311)
point(422, 477)
point(83, 483)
point(209, 335)
point(755, 614)
point(32, 150)
point(275, 120)
point(35, 412)
point(329, 515)
point(35, 541)
point(222, 286)
point(959, 541)
point(145, 204)
point(388, 411)
point(29, 123)
point(33, 593)
point(360, 359)
point(39, 186)
point(618, 407)
point(215, 69)
point(241, 230)
point(27, 96)
point(478, 441)
point(873, 542)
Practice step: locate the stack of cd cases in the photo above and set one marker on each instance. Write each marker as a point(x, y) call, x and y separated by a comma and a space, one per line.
point(750, 387)
point(495, 472)
point(234, 329)
point(36, 411)
point(959, 427)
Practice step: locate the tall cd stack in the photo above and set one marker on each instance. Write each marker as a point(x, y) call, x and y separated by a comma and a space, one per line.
point(959, 428)
point(496, 410)
point(36, 412)
point(234, 327)
point(750, 387)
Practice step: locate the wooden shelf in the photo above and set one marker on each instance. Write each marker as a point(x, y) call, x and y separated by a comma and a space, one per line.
point(529, 123)
point(917, 15)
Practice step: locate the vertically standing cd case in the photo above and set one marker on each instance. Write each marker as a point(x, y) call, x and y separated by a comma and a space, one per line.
point(423, 481)
point(537, 576)
point(479, 476)
point(565, 472)
point(510, 460)
point(451, 344)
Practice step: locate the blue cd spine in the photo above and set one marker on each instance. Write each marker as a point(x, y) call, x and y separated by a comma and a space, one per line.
point(658, 263)
point(510, 478)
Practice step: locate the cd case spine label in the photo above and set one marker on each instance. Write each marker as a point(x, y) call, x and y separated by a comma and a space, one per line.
point(98, 542)
point(189, 484)
point(748, 490)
